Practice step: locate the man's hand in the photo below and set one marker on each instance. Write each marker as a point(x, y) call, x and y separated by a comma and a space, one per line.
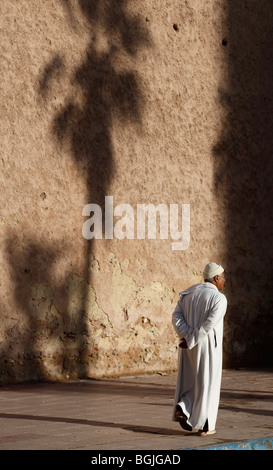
point(183, 344)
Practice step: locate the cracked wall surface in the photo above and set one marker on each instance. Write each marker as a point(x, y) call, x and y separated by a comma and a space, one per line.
point(150, 104)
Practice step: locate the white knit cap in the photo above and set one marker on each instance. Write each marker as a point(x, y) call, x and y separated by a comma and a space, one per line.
point(211, 270)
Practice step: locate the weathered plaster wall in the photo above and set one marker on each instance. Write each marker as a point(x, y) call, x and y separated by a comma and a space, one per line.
point(243, 168)
point(125, 99)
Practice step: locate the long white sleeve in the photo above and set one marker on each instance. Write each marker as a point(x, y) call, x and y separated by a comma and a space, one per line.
point(179, 323)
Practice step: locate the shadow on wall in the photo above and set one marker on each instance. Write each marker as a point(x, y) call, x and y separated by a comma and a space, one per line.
point(108, 95)
point(38, 330)
point(243, 179)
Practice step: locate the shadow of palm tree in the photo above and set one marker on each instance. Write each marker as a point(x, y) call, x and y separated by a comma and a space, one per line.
point(82, 128)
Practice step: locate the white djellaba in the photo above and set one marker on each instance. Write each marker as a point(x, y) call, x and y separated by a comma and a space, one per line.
point(198, 318)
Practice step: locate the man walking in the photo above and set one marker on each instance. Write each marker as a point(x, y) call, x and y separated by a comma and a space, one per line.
point(198, 321)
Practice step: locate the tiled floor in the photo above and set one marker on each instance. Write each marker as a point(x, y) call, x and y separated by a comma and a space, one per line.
point(128, 413)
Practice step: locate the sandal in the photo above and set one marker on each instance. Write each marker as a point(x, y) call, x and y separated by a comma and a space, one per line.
point(182, 419)
point(206, 433)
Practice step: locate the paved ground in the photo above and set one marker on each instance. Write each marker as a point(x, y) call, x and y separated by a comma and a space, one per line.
point(128, 413)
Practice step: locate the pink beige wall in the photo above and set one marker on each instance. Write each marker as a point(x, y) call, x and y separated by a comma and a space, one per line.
point(149, 102)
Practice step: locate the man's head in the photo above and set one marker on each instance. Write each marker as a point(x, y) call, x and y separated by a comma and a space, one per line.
point(215, 274)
